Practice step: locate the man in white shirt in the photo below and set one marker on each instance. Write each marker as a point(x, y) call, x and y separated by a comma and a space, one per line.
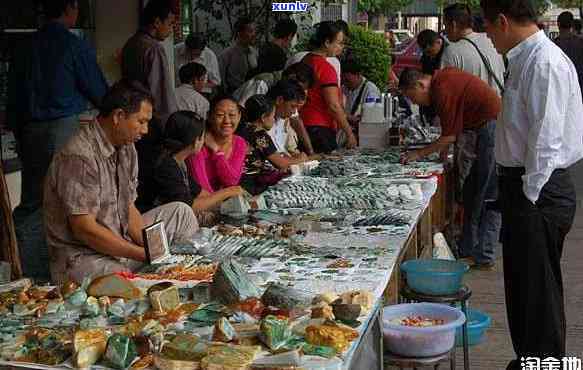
point(538, 137)
point(356, 89)
point(195, 49)
point(288, 95)
point(474, 53)
point(193, 78)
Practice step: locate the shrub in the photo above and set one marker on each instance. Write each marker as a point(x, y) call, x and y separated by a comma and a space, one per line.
point(371, 51)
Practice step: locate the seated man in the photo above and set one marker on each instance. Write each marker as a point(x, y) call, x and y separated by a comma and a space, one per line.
point(92, 225)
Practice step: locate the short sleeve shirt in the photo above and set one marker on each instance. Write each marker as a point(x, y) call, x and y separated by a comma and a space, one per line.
point(191, 100)
point(89, 176)
point(462, 101)
point(260, 147)
point(315, 112)
point(173, 184)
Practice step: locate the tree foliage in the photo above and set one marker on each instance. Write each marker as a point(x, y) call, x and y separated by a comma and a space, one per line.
point(567, 4)
point(371, 51)
point(541, 5)
point(217, 11)
point(375, 7)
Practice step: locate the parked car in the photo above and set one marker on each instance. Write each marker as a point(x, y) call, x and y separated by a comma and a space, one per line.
point(400, 36)
point(406, 55)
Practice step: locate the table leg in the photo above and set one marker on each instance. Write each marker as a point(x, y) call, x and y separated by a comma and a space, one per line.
point(452, 358)
point(382, 344)
point(465, 337)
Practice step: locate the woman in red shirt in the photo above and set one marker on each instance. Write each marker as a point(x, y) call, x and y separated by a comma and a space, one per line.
point(323, 113)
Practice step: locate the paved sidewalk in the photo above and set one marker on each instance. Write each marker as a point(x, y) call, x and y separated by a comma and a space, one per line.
point(488, 296)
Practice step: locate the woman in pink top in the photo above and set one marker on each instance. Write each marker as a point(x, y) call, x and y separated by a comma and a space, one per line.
point(220, 163)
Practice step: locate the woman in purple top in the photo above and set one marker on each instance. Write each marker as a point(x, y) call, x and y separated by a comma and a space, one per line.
point(220, 163)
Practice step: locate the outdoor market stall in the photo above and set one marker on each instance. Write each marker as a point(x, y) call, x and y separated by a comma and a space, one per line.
point(299, 283)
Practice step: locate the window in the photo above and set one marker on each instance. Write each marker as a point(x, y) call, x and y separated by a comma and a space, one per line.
point(184, 24)
point(332, 12)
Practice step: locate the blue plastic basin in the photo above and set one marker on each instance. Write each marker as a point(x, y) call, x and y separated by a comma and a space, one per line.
point(478, 322)
point(434, 276)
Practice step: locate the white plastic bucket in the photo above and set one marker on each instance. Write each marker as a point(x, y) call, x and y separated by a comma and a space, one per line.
point(421, 341)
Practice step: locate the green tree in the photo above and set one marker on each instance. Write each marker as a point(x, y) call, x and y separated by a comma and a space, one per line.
point(541, 5)
point(570, 4)
point(231, 10)
point(371, 51)
point(375, 7)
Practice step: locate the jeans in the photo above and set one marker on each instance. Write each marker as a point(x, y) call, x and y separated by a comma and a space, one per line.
point(532, 241)
point(37, 142)
point(481, 227)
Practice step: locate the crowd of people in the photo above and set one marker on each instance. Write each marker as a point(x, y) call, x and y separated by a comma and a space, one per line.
point(237, 122)
point(232, 124)
point(509, 99)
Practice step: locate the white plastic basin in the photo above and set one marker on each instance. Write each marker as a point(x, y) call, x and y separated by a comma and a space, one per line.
point(421, 341)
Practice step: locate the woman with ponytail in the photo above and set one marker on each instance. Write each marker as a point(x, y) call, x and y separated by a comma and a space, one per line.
point(184, 136)
point(264, 166)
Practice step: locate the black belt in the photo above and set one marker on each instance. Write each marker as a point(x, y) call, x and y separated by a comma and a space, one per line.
point(510, 171)
point(519, 171)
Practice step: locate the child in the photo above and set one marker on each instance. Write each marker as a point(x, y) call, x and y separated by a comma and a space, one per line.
point(264, 166)
point(193, 77)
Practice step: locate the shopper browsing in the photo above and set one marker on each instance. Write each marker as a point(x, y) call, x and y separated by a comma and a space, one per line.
point(356, 89)
point(323, 113)
point(474, 53)
point(238, 61)
point(538, 137)
point(52, 79)
point(193, 78)
point(462, 102)
point(144, 59)
point(196, 50)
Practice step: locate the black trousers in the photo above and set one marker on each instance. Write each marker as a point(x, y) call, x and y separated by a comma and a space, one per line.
point(323, 139)
point(532, 237)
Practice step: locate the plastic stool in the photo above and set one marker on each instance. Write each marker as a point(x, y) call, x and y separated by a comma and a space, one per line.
point(413, 363)
point(462, 296)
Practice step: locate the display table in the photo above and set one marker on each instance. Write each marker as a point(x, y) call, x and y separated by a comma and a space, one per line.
point(372, 254)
